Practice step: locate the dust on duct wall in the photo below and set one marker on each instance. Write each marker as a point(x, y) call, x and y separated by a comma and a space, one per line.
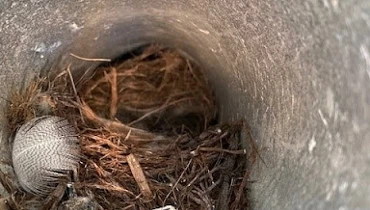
point(147, 132)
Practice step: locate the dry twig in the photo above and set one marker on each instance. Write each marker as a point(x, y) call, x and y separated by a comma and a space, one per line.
point(91, 59)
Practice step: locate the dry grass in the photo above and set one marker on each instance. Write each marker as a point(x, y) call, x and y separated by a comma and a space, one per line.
point(21, 106)
point(155, 91)
point(145, 135)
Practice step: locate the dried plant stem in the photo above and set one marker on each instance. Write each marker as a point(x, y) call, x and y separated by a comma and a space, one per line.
point(178, 180)
point(72, 81)
point(156, 110)
point(110, 187)
point(114, 94)
point(55, 197)
point(252, 159)
point(90, 59)
point(235, 152)
point(224, 194)
point(139, 176)
point(6, 182)
point(115, 126)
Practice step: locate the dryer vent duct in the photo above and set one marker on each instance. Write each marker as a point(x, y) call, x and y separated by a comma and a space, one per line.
point(297, 71)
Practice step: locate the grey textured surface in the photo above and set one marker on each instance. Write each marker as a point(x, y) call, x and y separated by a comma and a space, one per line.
point(297, 71)
point(44, 150)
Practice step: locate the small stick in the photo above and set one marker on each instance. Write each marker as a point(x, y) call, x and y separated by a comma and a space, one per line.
point(90, 114)
point(71, 78)
point(192, 72)
point(234, 152)
point(73, 86)
point(114, 95)
point(126, 137)
point(55, 197)
point(210, 188)
point(196, 177)
point(186, 193)
point(242, 186)
point(139, 176)
point(4, 180)
point(91, 59)
point(108, 142)
point(217, 168)
point(157, 110)
point(129, 207)
point(110, 187)
point(228, 164)
point(12, 202)
point(178, 180)
point(94, 85)
point(253, 158)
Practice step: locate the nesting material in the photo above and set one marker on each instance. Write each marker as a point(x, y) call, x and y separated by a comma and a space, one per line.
point(147, 138)
point(157, 91)
point(21, 107)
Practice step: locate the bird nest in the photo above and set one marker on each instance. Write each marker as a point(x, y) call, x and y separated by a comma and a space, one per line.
point(147, 133)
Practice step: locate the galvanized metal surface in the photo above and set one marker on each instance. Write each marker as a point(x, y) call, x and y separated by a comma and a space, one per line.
point(297, 71)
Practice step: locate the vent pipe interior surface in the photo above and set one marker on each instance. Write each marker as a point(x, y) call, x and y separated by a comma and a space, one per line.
point(297, 71)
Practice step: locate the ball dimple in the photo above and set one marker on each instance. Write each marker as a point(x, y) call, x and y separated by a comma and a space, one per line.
point(44, 149)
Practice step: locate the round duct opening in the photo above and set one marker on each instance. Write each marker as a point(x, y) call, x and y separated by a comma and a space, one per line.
point(297, 72)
